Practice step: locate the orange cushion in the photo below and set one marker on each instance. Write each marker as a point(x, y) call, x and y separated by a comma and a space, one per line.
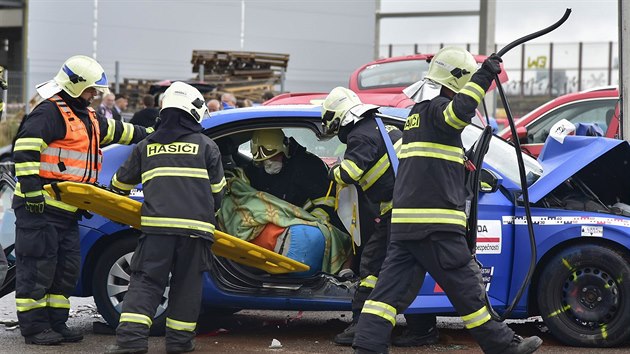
point(268, 236)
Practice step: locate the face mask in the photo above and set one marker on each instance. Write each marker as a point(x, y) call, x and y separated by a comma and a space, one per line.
point(272, 167)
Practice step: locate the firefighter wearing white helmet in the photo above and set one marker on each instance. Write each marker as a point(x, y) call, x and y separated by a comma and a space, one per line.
point(59, 140)
point(428, 222)
point(366, 165)
point(182, 179)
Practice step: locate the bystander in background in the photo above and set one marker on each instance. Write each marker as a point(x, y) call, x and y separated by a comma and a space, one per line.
point(146, 117)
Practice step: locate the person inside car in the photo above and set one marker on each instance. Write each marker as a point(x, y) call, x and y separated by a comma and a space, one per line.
point(281, 200)
point(282, 167)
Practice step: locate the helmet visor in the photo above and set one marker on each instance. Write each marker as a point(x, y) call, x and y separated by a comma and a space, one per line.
point(262, 153)
point(330, 125)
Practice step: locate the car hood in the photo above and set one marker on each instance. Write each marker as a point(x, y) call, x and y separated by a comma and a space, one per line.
point(602, 163)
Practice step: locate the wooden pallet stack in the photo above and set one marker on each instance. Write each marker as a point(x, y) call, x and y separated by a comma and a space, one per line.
point(247, 75)
point(134, 89)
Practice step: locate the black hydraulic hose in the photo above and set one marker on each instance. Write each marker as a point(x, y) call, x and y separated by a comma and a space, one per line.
point(534, 35)
point(521, 170)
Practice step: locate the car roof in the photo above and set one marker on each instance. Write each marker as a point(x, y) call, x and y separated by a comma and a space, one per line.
point(377, 98)
point(280, 112)
point(355, 86)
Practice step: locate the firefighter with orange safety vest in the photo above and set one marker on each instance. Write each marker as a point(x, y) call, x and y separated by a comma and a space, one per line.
point(366, 164)
point(430, 209)
point(59, 140)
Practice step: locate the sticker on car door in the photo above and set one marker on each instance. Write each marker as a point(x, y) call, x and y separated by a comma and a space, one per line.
point(489, 237)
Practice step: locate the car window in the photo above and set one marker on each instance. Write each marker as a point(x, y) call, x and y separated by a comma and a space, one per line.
point(502, 157)
point(392, 74)
point(327, 150)
point(592, 111)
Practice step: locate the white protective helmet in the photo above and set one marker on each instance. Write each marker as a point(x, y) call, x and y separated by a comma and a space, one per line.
point(76, 74)
point(187, 98)
point(340, 108)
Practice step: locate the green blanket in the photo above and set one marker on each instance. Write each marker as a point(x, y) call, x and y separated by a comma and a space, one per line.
point(245, 211)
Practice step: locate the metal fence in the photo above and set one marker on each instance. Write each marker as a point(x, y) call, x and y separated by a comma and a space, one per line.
point(550, 69)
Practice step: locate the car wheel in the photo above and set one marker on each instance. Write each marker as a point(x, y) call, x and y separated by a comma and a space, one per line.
point(111, 282)
point(583, 296)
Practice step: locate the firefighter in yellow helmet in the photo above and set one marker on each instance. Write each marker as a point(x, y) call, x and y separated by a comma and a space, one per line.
point(429, 216)
point(367, 165)
point(182, 178)
point(59, 140)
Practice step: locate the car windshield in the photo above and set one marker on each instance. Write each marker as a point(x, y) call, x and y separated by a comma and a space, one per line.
point(502, 158)
point(393, 74)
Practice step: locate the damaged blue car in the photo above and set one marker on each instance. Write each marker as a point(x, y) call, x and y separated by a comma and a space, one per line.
point(580, 198)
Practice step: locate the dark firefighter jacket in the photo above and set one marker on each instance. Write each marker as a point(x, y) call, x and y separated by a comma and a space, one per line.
point(182, 182)
point(302, 182)
point(60, 140)
point(430, 193)
point(366, 163)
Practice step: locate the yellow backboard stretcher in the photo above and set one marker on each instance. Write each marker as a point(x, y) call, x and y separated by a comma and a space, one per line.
point(126, 211)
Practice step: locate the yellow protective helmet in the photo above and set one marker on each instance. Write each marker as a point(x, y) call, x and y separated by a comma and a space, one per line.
point(340, 108)
point(80, 72)
point(268, 143)
point(76, 74)
point(452, 67)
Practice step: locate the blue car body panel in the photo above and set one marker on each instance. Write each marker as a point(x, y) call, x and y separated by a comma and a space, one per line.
point(562, 160)
point(503, 243)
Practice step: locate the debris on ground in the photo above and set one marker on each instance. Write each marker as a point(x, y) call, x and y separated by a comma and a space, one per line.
point(84, 310)
point(286, 321)
point(275, 344)
point(214, 333)
point(9, 322)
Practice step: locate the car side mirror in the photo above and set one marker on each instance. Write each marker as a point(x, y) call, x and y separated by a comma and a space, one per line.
point(521, 133)
point(489, 181)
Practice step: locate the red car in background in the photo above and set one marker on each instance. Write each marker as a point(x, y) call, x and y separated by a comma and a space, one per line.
point(381, 83)
point(392, 75)
point(599, 106)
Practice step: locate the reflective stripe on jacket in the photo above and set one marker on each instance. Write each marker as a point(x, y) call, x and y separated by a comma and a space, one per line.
point(77, 156)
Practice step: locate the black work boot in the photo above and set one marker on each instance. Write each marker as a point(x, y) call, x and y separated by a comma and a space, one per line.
point(347, 336)
point(46, 337)
point(184, 348)
point(117, 349)
point(69, 335)
point(520, 345)
point(411, 337)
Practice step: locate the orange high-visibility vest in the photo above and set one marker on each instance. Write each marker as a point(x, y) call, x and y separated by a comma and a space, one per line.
point(77, 157)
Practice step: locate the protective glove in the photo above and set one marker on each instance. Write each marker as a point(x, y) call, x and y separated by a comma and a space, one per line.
point(331, 171)
point(35, 204)
point(492, 64)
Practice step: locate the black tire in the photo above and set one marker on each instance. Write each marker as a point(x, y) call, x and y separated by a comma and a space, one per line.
point(109, 305)
point(584, 294)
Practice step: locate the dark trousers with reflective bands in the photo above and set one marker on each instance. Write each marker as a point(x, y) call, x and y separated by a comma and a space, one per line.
point(186, 258)
point(48, 258)
point(447, 258)
point(372, 259)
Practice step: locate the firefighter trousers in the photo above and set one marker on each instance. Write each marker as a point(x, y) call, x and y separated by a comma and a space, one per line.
point(186, 258)
point(372, 258)
point(48, 258)
point(446, 258)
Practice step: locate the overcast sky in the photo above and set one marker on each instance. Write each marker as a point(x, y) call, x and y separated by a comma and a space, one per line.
point(590, 21)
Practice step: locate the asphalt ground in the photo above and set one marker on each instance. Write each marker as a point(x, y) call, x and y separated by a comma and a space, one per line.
point(250, 331)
